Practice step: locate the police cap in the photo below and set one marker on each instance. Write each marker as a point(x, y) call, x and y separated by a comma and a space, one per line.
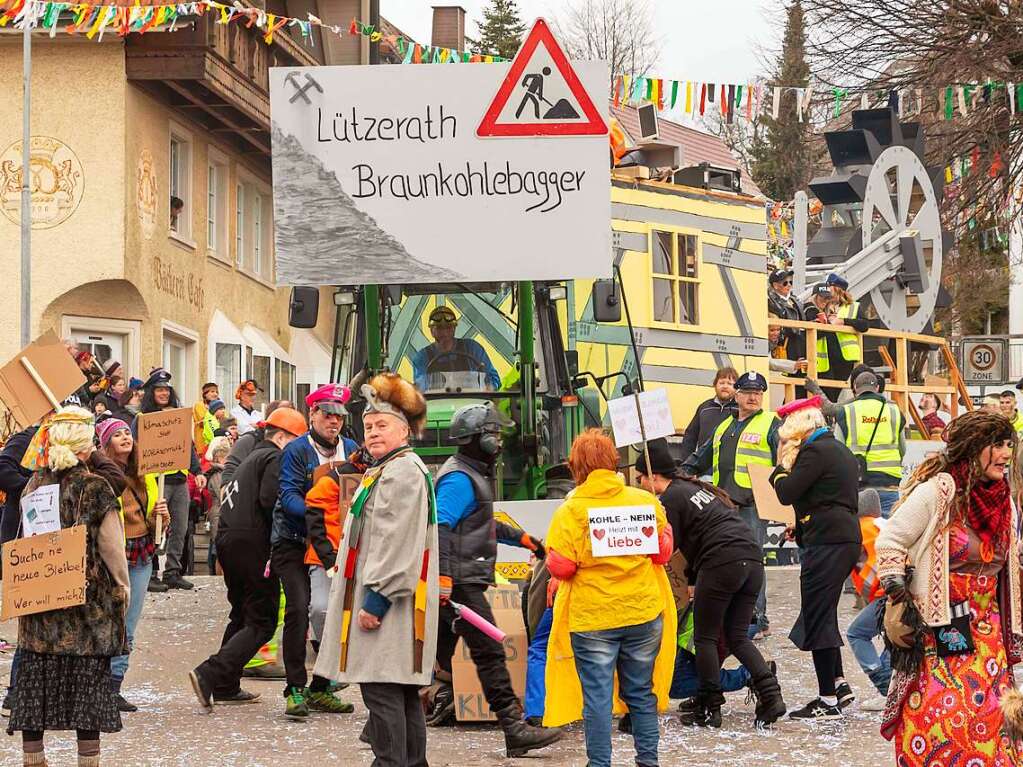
point(751, 381)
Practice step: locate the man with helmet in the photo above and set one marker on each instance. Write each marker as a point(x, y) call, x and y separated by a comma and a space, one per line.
point(468, 536)
point(449, 354)
point(243, 550)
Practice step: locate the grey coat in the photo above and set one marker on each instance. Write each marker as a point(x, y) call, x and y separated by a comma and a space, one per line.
point(396, 529)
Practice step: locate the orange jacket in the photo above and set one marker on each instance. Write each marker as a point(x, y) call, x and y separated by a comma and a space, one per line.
point(864, 575)
point(323, 501)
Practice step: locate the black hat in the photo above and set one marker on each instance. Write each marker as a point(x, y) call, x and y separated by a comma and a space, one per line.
point(157, 377)
point(822, 289)
point(661, 460)
point(751, 381)
point(837, 281)
point(1020, 384)
point(779, 275)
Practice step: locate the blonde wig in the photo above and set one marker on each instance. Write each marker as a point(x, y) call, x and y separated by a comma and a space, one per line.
point(794, 431)
point(71, 432)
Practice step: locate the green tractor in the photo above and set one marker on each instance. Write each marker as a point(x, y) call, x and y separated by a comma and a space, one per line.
point(464, 344)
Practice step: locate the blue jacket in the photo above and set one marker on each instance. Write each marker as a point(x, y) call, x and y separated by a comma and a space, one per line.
point(298, 462)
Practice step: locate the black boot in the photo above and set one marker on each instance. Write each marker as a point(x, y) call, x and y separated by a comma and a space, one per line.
point(122, 705)
point(519, 737)
point(706, 710)
point(442, 713)
point(770, 705)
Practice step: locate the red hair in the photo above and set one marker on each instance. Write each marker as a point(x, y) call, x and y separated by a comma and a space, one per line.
point(592, 450)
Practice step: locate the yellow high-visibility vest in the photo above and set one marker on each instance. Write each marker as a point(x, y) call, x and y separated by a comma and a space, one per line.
point(884, 456)
point(753, 446)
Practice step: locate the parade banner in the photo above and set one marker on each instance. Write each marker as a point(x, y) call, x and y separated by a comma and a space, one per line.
point(38, 376)
point(470, 703)
point(44, 572)
point(441, 174)
point(534, 517)
point(165, 441)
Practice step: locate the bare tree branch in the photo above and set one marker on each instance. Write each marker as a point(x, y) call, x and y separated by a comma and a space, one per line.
point(620, 32)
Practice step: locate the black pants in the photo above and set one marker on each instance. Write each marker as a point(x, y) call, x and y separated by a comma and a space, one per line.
point(254, 601)
point(487, 655)
point(723, 603)
point(396, 726)
point(288, 562)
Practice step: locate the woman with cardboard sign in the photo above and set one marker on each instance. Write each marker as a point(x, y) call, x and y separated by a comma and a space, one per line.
point(817, 475)
point(141, 505)
point(64, 671)
point(607, 544)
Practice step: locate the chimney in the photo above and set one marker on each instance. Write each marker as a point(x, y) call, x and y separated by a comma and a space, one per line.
point(448, 27)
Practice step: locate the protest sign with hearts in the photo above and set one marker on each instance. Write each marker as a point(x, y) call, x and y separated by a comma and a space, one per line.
point(617, 531)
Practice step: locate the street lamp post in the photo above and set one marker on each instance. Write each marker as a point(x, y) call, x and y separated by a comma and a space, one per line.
point(26, 192)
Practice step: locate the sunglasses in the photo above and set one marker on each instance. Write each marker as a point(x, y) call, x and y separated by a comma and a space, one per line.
point(787, 282)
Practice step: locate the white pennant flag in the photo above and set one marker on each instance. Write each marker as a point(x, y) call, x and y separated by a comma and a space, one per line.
point(799, 103)
point(776, 106)
point(1011, 87)
point(864, 103)
point(962, 100)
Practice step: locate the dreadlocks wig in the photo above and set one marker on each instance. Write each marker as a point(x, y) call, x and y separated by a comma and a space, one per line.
point(981, 503)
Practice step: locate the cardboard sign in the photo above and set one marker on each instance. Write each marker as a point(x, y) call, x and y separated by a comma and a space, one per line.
point(40, 511)
point(768, 505)
point(657, 421)
point(44, 572)
point(370, 163)
point(617, 531)
point(470, 703)
point(55, 367)
point(165, 441)
point(676, 572)
point(918, 451)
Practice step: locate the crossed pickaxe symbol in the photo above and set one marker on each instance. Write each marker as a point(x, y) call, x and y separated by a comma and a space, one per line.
point(301, 89)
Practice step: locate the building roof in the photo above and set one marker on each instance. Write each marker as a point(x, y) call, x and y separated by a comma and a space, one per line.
point(697, 146)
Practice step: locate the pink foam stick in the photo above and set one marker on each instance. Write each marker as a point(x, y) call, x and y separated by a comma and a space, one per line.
point(474, 618)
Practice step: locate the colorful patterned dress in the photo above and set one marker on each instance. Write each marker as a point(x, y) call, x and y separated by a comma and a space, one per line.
point(950, 715)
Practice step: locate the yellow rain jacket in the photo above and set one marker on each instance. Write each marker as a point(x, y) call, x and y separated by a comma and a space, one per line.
point(605, 593)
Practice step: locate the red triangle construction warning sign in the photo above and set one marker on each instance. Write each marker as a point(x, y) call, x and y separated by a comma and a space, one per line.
point(542, 95)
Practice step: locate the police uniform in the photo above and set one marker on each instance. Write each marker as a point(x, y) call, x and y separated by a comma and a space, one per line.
point(735, 446)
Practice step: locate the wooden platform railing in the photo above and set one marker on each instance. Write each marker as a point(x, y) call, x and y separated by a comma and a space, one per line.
point(953, 392)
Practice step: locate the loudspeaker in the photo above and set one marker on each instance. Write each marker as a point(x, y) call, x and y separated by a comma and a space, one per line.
point(304, 307)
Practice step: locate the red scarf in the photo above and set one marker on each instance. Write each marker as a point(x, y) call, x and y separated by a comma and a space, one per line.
point(988, 511)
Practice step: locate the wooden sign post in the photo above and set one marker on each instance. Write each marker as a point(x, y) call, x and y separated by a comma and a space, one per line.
point(165, 445)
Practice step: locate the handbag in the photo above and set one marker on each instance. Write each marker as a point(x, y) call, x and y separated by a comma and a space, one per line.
point(861, 460)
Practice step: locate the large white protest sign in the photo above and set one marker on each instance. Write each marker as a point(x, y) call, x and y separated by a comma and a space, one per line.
point(40, 510)
point(380, 176)
point(617, 531)
point(657, 420)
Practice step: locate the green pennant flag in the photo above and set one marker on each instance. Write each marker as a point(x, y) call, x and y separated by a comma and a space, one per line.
point(840, 94)
point(650, 89)
point(738, 96)
point(948, 103)
point(674, 93)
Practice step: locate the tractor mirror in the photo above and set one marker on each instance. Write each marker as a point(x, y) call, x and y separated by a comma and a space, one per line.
point(607, 301)
point(572, 361)
point(304, 307)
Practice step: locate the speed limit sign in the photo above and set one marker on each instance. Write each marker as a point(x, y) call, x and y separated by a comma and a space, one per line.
point(984, 360)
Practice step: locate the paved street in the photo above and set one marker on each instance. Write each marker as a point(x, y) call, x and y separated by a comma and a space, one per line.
point(180, 629)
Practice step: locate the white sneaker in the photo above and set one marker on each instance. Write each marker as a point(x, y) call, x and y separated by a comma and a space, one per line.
point(875, 702)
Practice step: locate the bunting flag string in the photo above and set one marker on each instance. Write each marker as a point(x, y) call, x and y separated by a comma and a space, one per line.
point(95, 18)
point(764, 97)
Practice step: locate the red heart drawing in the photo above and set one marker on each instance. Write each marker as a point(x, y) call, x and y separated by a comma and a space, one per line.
point(598, 534)
point(648, 531)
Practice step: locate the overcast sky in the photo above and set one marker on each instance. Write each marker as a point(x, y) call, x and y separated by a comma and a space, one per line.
point(705, 41)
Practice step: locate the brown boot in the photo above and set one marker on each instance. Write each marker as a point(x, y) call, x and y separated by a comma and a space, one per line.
point(35, 759)
point(88, 761)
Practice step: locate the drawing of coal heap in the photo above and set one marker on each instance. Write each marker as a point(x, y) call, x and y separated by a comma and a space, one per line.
point(322, 238)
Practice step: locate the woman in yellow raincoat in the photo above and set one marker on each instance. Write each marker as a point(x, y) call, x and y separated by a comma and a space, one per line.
point(614, 612)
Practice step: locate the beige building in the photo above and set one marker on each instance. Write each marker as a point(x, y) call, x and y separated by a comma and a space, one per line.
point(120, 129)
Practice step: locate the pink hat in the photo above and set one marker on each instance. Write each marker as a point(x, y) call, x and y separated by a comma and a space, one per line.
point(799, 404)
point(330, 398)
point(106, 428)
